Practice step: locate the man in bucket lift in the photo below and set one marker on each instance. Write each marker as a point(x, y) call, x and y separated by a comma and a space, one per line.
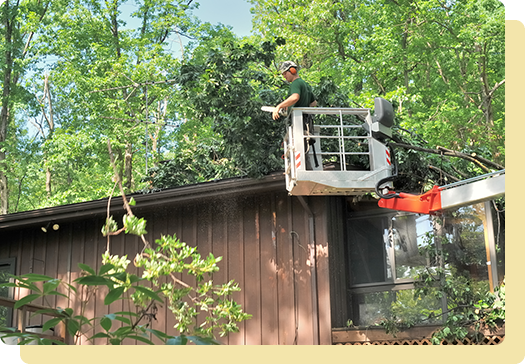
point(300, 93)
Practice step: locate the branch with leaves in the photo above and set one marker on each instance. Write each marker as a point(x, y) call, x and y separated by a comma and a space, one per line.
point(173, 256)
point(169, 258)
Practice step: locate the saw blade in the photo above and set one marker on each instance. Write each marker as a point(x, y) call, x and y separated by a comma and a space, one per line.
point(268, 108)
point(271, 109)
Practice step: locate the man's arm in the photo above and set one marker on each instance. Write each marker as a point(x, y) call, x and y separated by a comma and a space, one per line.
point(291, 100)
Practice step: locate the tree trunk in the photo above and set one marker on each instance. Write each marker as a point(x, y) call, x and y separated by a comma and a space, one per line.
point(113, 10)
point(51, 125)
point(128, 167)
point(6, 101)
point(48, 181)
point(486, 103)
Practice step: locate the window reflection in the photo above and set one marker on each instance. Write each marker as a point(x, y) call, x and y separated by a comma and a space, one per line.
point(371, 308)
point(387, 252)
point(464, 243)
point(408, 235)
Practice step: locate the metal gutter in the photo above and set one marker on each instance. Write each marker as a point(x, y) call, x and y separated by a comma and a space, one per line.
point(200, 191)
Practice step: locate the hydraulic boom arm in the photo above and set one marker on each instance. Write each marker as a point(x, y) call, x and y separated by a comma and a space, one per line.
point(468, 192)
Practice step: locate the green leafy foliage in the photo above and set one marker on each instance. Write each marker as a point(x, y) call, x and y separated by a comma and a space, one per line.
point(440, 64)
point(79, 50)
point(418, 55)
point(471, 308)
point(221, 91)
point(160, 266)
point(89, 73)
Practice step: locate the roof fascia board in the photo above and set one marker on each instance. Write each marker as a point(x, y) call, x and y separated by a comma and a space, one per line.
point(91, 209)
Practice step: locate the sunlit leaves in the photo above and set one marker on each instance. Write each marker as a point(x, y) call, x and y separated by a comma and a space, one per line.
point(446, 58)
point(134, 225)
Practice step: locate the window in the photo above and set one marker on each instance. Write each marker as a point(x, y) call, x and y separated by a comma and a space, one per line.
point(386, 250)
point(7, 267)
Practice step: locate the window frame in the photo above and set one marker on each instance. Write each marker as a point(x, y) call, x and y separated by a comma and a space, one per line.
point(10, 263)
point(393, 284)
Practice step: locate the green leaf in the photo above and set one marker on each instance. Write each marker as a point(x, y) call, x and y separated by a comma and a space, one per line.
point(8, 284)
point(105, 268)
point(55, 293)
point(177, 340)
point(94, 281)
point(50, 286)
point(68, 311)
point(122, 331)
point(87, 268)
point(100, 335)
point(73, 326)
point(44, 311)
point(121, 276)
point(52, 342)
point(106, 323)
point(24, 284)
point(134, 279)
point(113, 295)
point(140, 338)
point(32, 277)
point(115, 341)
point(148, 292)
point(123, 319)
point(161, 335)
point(51, 323)
point(134, 225)
point(27, 299)
point(132, 202)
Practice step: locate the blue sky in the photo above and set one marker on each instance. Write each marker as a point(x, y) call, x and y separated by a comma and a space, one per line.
point(235, 13)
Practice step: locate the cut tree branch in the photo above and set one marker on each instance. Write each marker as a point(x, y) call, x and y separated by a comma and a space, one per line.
point(448, 175)
point(481, 162)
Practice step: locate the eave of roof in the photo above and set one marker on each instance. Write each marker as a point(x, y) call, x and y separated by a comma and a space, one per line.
point(200, 191)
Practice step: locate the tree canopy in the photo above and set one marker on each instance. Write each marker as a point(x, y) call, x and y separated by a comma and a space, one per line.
point(77, 73)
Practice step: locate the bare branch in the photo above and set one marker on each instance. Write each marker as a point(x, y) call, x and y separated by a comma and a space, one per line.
point(448, 175)
point(481, 162)
point(134, 85)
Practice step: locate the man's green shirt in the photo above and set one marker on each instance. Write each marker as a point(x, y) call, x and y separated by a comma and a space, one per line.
point(299, 86)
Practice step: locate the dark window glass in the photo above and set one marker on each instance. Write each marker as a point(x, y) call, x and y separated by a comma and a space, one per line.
point(7, 267)
point(368, 256)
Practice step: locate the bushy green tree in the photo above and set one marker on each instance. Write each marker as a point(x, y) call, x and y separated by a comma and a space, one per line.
point(100, 71)
point(220, 93)
point(440, 63)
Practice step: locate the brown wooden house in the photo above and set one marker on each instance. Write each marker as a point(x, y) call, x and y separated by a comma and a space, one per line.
point(313, 270)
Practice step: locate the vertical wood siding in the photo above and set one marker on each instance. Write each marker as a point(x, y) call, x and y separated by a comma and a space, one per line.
point(264, 241)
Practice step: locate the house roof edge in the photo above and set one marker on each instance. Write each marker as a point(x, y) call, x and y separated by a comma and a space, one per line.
point(200, 191)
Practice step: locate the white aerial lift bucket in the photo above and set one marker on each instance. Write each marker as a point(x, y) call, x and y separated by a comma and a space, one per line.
point(340, 141)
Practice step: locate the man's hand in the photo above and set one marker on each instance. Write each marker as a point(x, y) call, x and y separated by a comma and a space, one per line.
point(275, 113)
point(284, 105)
